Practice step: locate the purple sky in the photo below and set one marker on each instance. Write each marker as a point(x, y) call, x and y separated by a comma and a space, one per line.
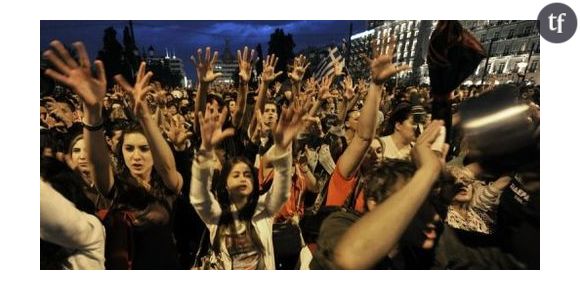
point(186, 36)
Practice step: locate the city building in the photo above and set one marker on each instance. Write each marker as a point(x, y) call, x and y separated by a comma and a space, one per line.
point(412, 40)
point(168, 68)
point(227, 64)
point(513, 48)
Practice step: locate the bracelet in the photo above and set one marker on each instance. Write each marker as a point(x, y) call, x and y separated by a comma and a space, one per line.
point(94, 128)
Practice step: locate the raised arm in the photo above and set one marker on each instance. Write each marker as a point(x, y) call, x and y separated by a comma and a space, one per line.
point(349, 99)
point(298, 70)
point(163, 159)
point(382, 69)
point(63, 224)
point(177, 133)
point(289, 125)
point(205, 75)
point(372, 237)
point(323, 94)
point(268, 75)
point(78, 77)
point(246, 62)
point(200, 194)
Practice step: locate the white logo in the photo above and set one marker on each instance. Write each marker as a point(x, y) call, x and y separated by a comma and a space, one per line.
point(551, 20)
point(558, 19)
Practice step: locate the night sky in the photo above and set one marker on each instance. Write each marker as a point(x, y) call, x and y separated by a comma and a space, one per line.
point(184, 37)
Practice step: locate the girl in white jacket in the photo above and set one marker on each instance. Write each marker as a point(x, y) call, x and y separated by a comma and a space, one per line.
point(239, 219)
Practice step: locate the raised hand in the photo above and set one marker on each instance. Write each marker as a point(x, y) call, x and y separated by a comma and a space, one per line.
point(58, 110)
point(310, 85)
point(277, 86)
point(77, 75)
point(211, 124)
point(177, 133)
point(324, 88)
point(139, 91)
point(298, 69)
point(118, 92)
point(291, 122)
point(337, 65)
point(348, 88)
point(159, 94)
point(268, 73)
point(259, 127)
point(362, 87)
point(423, 155)
point(246, 62)
point(204, 66)
point(381, 65)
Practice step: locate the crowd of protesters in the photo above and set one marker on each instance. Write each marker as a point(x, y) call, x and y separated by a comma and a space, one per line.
point(334, 173)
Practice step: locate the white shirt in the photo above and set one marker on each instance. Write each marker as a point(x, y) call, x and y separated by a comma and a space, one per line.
point(63, 224)
point(390, 149)
point(269, 204)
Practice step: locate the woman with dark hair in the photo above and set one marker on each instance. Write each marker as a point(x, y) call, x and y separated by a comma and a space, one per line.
point(139, 232)
point(238, 217)
point(77, 160)
point(401, 133)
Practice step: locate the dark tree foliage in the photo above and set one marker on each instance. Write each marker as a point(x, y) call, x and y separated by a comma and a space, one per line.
point(131, 52)
point(112, 57)
point(260, 57)
point(283, 46)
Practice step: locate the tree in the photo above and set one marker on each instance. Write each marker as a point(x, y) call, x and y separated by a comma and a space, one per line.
point(112, 57)
point(260, 56)
point(283, 46)
point(131, 52)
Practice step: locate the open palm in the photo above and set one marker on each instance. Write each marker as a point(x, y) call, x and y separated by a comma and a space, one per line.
point(299, 68)
point(139, 90)
point(211, 127)
point(77, 75)
point(382, 66)
point(204, 65)
point(291, 122)
point(269, 74)
point(177, 133)
point(245, 62)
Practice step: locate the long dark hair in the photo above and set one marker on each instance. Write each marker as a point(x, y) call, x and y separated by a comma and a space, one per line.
point(223, 197)
point(399, 115)
point(121, 167)
point(135, 192)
